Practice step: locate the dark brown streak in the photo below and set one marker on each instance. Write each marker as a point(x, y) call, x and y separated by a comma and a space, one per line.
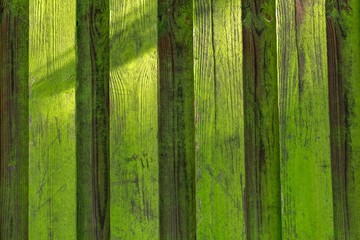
point(100, 117)
point(175, 129)
point(299, 13)
point(249, 64)
point(339, 127)
point(214, 59)
point(171, 49)
point(94, 164)
point(13, 122)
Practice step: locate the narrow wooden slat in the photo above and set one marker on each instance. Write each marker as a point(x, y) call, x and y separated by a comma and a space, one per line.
point(220, 170)
point(176, 120)
point(133, 120)
point(343, 41)
point(14, 124)
point(307, 211)
point(263, 201)
point(92, 119)
point(52, 120)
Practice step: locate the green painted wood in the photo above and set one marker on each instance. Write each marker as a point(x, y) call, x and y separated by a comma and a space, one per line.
point(14, 124)
point(263, 203)
point(176, 120)
point(133, 120)
point(52, 120)
point(220, 157)
point(92, 119)
point(343, 39)
point(306, 195)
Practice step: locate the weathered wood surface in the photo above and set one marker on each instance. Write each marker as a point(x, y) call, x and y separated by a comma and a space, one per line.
point(52, 120)
point(219, 119)
point(92, 119)
point(133, 121)
point(343, 41)
point(176, 120)
point(263, 203)
point(14, 124)
point(306, 192)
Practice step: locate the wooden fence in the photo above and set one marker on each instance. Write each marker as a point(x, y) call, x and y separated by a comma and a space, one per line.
point(204, 119)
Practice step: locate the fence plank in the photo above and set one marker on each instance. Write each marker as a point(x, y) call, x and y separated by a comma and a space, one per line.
point(344, 70)
point(176, 120)
point(263, 205)
point(92, 119)
point(14, 124)
point(304, 121)
point(52, 123)
point(133, 121)
point(220, 174)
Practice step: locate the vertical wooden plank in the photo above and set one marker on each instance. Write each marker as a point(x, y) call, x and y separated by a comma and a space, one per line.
point(176, 120)
point(343, 41)
point(92, 119)
point(220, 174)
point(52, 122)
point(263, 203)
point(304, 121)
point(133, 120)
point(14, 114)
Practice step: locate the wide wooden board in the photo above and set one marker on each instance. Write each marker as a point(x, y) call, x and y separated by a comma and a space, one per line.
point(133, 120)
point(306, 192)
point(219, 120)
point(52, 163)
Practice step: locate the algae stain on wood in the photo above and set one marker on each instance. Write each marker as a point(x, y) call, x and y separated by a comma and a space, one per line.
point(307, 211)
point(220, 157)
point(52, 120)
point(92, 119)
point(263, 203)
point(343, 41)
point(176, 120)
point(133, 120)
point(14, 124)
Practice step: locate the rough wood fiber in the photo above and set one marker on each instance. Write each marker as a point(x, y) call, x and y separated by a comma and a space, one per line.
point(304, 121)
point(176, 120)
point(220, 164)
point(263, 203)
point(133, 120)
point(343, 38)
point(92, 119)
point(14, 124)
point(52, 123)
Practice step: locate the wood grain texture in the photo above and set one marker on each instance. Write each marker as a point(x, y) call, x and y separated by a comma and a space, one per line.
point(176, 120)
point(306, 194)
point(220, 163)
point(263, 203)
point(14, 124)
point(92, 119)
point(133, 120)
point(343, 41)
point(52, 120)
